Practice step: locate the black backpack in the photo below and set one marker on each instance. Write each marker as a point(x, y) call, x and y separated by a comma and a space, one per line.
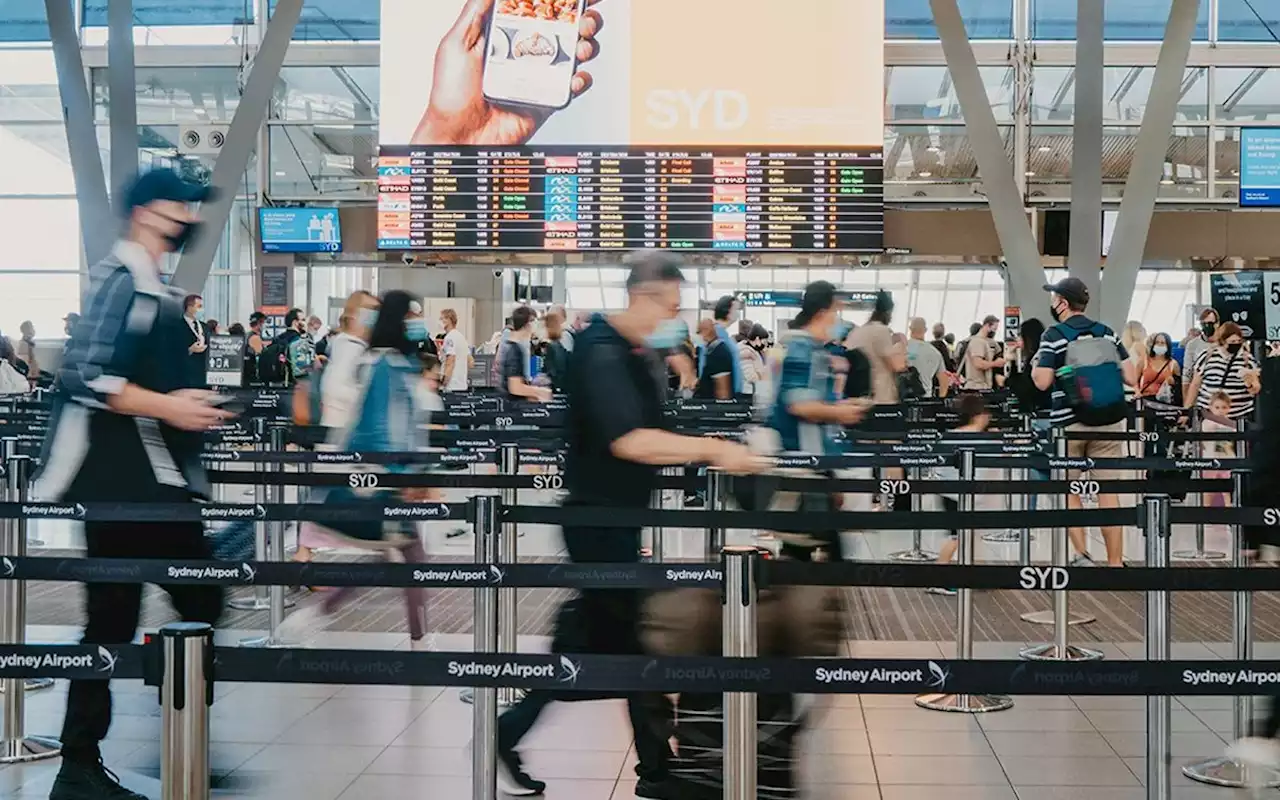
point(910, 387)
point(858, 383)
point(273, 361)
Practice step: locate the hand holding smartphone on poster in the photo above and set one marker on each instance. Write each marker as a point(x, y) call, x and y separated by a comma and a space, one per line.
point(505, 66)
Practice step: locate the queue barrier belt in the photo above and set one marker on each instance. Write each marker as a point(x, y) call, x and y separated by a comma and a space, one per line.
point(607, 674)
point(633, 576)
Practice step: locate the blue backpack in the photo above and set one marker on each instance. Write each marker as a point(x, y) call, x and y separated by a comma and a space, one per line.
point(1092, 377)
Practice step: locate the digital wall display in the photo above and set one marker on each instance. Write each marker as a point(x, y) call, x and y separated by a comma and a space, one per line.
point(1260, 167)
point(300, 230)
point(599, 124)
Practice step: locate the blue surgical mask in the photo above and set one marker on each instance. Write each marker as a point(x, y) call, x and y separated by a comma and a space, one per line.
point(199, 315)
point(367, 317)
point(1160, 350)
point(415, 330)
point(669, 334)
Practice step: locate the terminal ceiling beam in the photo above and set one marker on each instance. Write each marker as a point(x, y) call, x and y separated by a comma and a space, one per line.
point(1147, 166)
point(1024, 276)
point(1084, 253)
point(242, 138)
point(122, 95)
point(98, 226)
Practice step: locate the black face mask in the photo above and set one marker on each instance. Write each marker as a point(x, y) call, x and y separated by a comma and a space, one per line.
point(1208, 328)
point(1234, 348)
point(1053, 311)
point(991, 334)
point(184, 236)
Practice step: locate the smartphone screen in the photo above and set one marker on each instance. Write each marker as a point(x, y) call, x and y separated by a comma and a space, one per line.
point(532, 52)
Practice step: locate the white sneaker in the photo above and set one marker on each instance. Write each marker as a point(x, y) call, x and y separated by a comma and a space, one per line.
point(1260, 759)
point(303, 626)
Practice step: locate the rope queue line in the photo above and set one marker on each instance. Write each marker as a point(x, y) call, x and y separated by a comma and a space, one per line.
point(183, 661)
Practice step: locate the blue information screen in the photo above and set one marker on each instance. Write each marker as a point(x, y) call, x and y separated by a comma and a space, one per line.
point(300, 230)
point(1260, 167)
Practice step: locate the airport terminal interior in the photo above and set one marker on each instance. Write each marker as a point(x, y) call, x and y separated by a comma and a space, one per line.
point(953, 168)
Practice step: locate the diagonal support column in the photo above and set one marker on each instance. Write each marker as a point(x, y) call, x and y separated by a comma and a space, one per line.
point(122, 83)
point(1084, 254)
point(242, 137)
point(98, 226)
point(1134, 221)
point(1025, 275)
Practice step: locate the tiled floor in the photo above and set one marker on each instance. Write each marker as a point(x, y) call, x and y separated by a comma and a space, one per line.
point(316, 742)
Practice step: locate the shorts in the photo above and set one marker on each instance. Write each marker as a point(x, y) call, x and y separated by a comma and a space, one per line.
point(1111, 448)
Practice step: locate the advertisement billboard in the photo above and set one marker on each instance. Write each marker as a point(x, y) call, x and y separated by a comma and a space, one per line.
point(1260, 167)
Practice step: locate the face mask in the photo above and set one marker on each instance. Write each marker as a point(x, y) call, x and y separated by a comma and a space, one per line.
point(1234, 347)
point(1208, 327)
point(1159, 350)
point(367, 317)
point(991, 334)
point(415, 330)
point(1053, 311)
point(199, 314)
point(842, 331)
point(669, 334)
point(184, 236)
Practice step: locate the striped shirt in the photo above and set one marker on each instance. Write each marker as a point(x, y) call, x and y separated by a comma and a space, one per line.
point(1219, 371)
point(1053, 355)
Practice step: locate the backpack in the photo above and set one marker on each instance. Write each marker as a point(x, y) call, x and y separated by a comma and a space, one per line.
point(307, 408)
point(1091, 376)
point(858, 383)
point(910, 387)
point(272, 366)
point(961, 362)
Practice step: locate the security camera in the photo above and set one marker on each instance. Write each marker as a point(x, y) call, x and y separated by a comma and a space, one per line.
point(743, 261)
point(497, 273)
point(864, 261)
point(408, 259)
point(1004, 263)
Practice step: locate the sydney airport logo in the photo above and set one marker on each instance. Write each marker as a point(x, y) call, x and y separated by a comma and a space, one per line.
point(492, 575)
point(7, 568)
point(103, 662)
point(54, 511)
point(244, 573)
point(937, 677)
point(565, 671)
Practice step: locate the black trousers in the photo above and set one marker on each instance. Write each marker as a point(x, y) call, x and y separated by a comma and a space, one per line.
point(612, 627)
point(112, 610)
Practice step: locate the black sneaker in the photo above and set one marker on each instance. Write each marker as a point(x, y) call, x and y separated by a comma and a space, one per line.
point(513, 780)
point(649, 789)
point(89, 781)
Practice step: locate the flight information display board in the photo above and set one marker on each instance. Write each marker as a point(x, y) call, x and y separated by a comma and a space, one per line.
point(575, 198)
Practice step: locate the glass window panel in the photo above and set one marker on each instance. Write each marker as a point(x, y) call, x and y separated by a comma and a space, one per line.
point(1125, 91)
point(863, 278)
point(792, 277)
point(983, 19)
point(43, 299)
point(1247, 94)
point(582, 276)
point(175, 95)
point(23, 21)
point(964, 278)
point(615, 276)
point(308, 94)
point(34, 159)
point(1133, 20)
point(1238, 20)
point(586, 298)
point(933, 161)
point(337, 20)
point(928, 304)
point(916, 93)
point(758, 278)
point(960, 310)
point(689, 297)
point(614, 299)
point(1185, 169)
point(332, 161)
point(167, 12)
point(39, 234)
point(28, 84)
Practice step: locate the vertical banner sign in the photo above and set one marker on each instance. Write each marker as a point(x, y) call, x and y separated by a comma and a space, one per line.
point(1239, 297)
point(1012, 324)
point(1272, 300)
point(225, 363)
point(274, 291)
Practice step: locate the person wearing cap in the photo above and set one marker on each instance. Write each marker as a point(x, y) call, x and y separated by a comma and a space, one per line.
point(127, 428)
point(1068, 300)
point(617, 443)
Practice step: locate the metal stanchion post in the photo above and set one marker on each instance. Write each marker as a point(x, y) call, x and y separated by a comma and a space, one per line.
point(10, 450)
point(484, 711)
point(739, 641)
point(508, 598)
point(1227, 771)
point(260, 599)
point(965, 703)
point(185, 696)
point(18, 485)
point(657, 534)
point(917, 553)
point(715, 502)
point(276, 601)
point(1060, 617)
point(15, 745)
point(1199, 553)
point(1159, 724)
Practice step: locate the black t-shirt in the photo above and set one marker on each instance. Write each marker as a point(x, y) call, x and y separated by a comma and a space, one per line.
point(719, 361)
point(512, 365)
point(614, 388)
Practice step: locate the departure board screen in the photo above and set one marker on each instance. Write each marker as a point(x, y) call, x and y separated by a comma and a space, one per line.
point(572, 198)
point(535, 125)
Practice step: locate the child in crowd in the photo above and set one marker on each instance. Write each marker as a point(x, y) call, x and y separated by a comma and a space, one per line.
point(1218, 420)
point(974, 416)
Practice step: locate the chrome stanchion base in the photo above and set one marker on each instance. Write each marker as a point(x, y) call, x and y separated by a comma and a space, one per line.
point(1198, 555)
point(1046, 618)
point(964, 703)
point(507, 697)
point(913, 555)
point(34, 684)
point(1050, 652)
point(254, 604)
point(1004, 537)
point(28, 749)
point(1227, 772)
